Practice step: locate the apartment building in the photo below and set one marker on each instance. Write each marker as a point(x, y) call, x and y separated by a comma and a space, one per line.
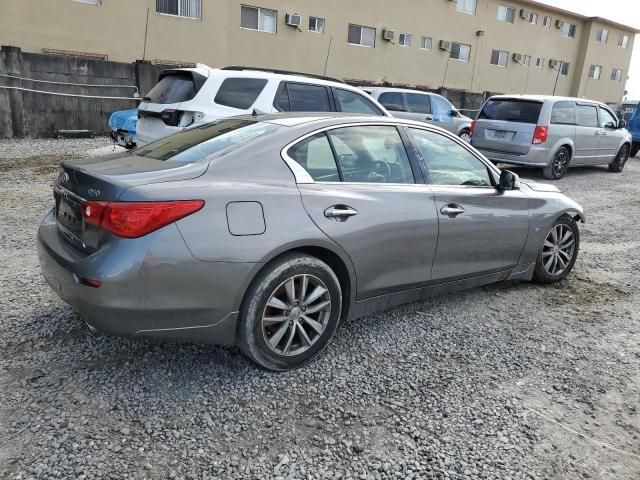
point(505, 46)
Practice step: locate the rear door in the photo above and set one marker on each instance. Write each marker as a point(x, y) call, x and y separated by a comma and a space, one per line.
point(587, 141)
point(304, 97)
point(482, 230)
point(366, 198)
point(507, 125)
point(610, 136)
point(418, 107)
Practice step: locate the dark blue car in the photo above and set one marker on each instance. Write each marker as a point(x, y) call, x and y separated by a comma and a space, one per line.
point(634, 127)
point(123, 127)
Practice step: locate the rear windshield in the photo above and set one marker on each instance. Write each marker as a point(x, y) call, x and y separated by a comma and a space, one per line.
point(196, 144)
point(522, 111)
point(176, 87)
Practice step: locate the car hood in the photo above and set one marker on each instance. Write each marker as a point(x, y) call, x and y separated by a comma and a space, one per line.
point(541, 187)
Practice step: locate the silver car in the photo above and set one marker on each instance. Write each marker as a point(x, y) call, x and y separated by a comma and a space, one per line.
point(553, 133)
point(266, 231)
point(423, 107)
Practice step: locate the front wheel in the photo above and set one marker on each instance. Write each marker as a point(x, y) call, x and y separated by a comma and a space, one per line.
point(559, 251)
point(621, 160)
point(559, 165)
point(465, 135)
point(635, 148)
point(290, 312)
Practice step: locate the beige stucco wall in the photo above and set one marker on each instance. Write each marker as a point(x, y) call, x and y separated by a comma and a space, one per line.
point(117, 28)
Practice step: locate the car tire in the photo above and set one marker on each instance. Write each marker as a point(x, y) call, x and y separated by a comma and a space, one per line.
point(278, 344)
point(621, 159)
point(465, 135)
point(558, 252)
point(635, 148)
point(559, 164)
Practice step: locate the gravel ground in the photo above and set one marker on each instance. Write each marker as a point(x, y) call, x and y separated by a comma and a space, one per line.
point(511, 381)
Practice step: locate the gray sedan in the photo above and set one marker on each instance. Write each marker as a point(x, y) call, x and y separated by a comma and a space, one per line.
point(266, 231)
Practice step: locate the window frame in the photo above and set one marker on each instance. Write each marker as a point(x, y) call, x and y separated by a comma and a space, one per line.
point(405, 36)
point(623, 41)
point(465, 8)
point(90, 2)
point(592, 72)
point(533, 16)
point(572, 28)
point(540, 62)
point(466, 60)
point(613, 75)
point(602, 35)
point(259, 9)
point(507, 9)
point(324, 24)
point(500, 52)
point(562, 68)
point(362, 27)
point(178, 15)
point(547, 21)
point(423, 41)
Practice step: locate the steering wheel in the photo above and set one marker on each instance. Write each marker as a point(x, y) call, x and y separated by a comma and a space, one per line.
point(383, 169)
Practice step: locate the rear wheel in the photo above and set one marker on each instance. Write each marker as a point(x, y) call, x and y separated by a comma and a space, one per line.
point(621, 159)
point(559, 165)
point(465, 135)
point(559, 251)
point(635, 148)
point(290, 312)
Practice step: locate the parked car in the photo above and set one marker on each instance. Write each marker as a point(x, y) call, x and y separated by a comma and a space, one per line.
point(553, 133)
point(266, 231)
point(123, 127)
point(192, 96)
point(634, 129)
point(423, 107)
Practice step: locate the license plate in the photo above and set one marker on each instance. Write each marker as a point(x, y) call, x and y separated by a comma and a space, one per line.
point(69, 215)
point(500, 134)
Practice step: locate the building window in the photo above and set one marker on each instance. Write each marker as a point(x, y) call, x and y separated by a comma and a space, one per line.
point(360, 35)
point(616, 75)
point(568, 30)
point(426, 43)
point(623, 41)
point(506, 14)
point(180, 8)
point(405, 39)
point(594, 72)
point(547, 22)
point(316, 24)
point(92, 2)
point(499, 58)
point(460, 51)
point(526, 60)
point(602, 35)
point(532, 18)
point(564, 69)
point(261, 19)
point(539, 62)
point(466, 6)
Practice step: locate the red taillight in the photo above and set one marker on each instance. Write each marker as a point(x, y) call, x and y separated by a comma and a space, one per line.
point(540, 135)
point(472, 128)
point(171, 117)
point(136, 219)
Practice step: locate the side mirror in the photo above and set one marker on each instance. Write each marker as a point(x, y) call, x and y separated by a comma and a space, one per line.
point(453, 113)
point(508, 181)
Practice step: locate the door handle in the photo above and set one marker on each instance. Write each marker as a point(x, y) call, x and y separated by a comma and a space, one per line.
point(429, 117)
point(597, 132)
point(340, 213)
point(452, 210)
point(604, 133)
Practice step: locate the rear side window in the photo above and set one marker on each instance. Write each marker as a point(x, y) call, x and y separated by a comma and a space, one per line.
point(587, 115)
point(418, 103)
point(351, 102)
point(299, 97)
point(563, 113)
point(521, 111)
point(239, 92)
point(176, 87)
point(392, 101)
point(315, 156)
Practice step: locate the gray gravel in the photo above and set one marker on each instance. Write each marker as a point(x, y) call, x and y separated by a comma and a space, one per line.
point(450, 388)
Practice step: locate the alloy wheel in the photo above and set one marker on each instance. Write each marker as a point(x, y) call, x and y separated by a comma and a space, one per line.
point(558, 249)
point(296, 315)
point(560, 162)
point(466, 136)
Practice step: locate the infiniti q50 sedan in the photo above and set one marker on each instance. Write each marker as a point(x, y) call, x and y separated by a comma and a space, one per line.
point(265, 231)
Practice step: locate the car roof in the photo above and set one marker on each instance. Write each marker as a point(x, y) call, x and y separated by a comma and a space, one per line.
point(545, 98)
point(394, 89)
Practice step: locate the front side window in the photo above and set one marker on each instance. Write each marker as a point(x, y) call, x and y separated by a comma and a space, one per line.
point(426, 43)
point(181, 8)
point(351, 102)
point(466, 6)
point(602, 35)
point(623, 41)
point(405, 39)
point(547, 22)
point(616, 75)
point(448, 163)
point(587, 115)
point(260, 19)
point(460, 51)
point(371, 154)
point(594, 71)
point(506, 14)
point(563, 113)
point(441, 108)
point(607, 119)
point(361, 35)
point(239, 92)
point(315, 156)
point(300, 97)
point(499, 58)
point(568, 30)
point(316, 24)
point(418, 103)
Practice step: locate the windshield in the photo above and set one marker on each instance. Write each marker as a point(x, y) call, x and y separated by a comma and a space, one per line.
point(196, 144)
point(522, 111)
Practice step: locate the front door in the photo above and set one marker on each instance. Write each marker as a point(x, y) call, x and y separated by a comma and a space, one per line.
point(610, 135)
point(482, 230)
point(365, 197)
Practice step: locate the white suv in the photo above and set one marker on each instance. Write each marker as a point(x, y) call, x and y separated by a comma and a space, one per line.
point(188, 96)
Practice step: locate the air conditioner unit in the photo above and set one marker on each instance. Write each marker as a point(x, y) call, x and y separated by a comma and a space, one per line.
point(445, 45)
point(554, 63)
point(293, 20)
point(524, 14)
point(517, 57)
point(388, 35)
point(559, 24)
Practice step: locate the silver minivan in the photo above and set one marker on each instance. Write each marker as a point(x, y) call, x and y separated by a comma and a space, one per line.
point(423, 107)
point(554, 133)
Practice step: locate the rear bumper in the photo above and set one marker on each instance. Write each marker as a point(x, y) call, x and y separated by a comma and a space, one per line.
point(537, 157)
point(157, 290)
